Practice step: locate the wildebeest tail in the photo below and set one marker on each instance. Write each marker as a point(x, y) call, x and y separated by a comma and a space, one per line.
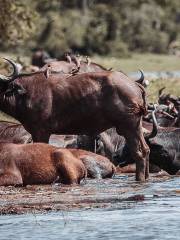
point(143, 108)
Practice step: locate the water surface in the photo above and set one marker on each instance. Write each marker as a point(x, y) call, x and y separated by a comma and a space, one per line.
point(155, 217)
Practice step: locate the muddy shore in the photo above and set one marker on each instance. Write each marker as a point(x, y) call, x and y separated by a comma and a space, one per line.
point(119, 191)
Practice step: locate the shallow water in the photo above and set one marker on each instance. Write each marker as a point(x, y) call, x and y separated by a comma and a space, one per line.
point(155, 217)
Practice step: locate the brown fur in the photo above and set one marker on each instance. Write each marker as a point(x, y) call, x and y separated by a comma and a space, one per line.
point(86, 103)
point(40, 163)
point(67, 67)
point(97, 166)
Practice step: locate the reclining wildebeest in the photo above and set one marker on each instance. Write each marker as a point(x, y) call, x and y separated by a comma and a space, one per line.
point(164, 144)
point(40, 163)
point(87, 103)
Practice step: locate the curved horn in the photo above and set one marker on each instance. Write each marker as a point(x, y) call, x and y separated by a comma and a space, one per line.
point(13, 75)
point(141, 79)
point(160, 91)
point(15, 68)
point(155, 127)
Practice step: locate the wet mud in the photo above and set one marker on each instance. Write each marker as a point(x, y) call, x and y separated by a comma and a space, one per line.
point(118, 192)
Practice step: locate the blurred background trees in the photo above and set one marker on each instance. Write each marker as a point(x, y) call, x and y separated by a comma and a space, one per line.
point(104, 27)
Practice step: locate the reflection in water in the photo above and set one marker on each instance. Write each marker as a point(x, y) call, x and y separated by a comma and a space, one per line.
point(158, 217)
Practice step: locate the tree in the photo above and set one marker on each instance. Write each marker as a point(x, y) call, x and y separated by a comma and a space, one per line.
point(17, 21)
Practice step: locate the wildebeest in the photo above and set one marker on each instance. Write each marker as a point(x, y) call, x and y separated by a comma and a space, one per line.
point(40, 57)
point(164, 146)
point(167, 99)
point(173, 104)
point(67, 67)
point(87, 103)
point(14, 133)
point(40, 163)
point(177, 124)
point(165, 116)
point(97, 166)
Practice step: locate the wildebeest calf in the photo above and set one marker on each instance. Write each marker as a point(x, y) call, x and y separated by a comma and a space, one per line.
point(40, 163)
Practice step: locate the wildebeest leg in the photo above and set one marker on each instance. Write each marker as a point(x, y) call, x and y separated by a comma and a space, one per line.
point(139, 150)
point(13, 179)
point(70, 169)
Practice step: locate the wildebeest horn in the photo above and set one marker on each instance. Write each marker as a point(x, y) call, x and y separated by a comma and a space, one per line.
point(160, 91)
point(155, 127)
point(141, 79)
point(13, 75)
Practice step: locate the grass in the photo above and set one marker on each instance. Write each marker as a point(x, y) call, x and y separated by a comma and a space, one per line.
point(172, 87)
point(146, 62)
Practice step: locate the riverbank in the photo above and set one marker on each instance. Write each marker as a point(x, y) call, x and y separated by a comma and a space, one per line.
point(148, 62)
point(119, 191)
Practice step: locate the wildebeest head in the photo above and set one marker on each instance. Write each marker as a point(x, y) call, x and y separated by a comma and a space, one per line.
point(6, 80)
point(164, 149)
point(10, 85)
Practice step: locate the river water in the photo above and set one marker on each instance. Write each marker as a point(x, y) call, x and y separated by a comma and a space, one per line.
point(157, 216)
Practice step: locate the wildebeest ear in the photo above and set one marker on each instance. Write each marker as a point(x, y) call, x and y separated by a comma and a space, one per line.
point(47, 72)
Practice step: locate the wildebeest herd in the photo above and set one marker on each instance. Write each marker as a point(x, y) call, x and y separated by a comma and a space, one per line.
point(104, 118)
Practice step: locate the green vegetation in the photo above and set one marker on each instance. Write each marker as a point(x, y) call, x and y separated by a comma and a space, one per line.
point(115, 28)
point(17, 22)
point(172, 87)
point(146, 62)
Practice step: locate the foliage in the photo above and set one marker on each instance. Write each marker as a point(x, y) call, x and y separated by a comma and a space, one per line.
point(17, 22)
point(90, 26)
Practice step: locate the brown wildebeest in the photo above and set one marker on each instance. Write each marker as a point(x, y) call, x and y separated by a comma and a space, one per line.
point(67, 67)
point(40, 58)
point(97, 166)
point(14, 133)
point(40, 163)
point(87, 103)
